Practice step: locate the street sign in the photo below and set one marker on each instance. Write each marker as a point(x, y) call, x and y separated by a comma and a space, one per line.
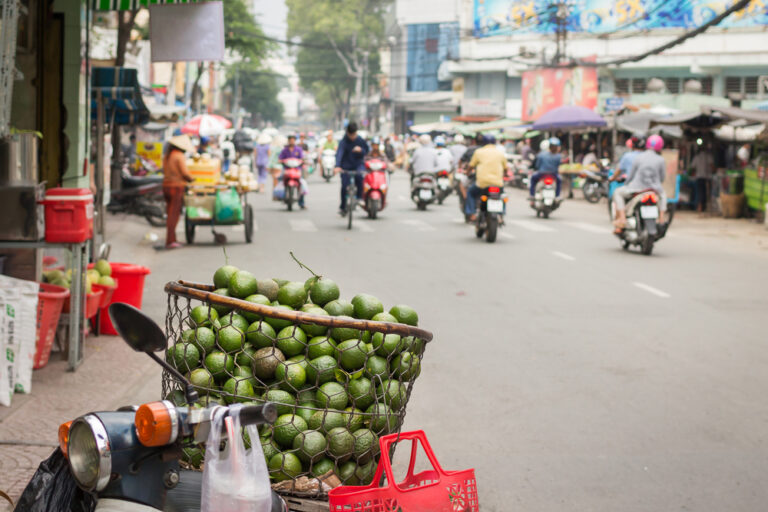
point(614, 104)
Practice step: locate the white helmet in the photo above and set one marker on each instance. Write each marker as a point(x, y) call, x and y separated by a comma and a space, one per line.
point(458, 139)
point(425, 139)
point(544, 146)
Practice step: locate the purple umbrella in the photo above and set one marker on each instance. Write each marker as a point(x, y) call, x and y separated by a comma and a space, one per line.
point(569, 117)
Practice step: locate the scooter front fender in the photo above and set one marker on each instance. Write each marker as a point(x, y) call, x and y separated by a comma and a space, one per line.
point(651, 227)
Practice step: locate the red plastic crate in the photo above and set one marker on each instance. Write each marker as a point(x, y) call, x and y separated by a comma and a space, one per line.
point(49, 303)
point(434, 491)
point(68, 215)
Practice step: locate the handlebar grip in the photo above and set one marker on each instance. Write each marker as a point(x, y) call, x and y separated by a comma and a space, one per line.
point(258, 414)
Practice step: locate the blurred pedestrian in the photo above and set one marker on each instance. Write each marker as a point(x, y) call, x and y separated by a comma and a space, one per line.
point(262, 159)
point(274, 166)
point(175, 179)
point(703, 165)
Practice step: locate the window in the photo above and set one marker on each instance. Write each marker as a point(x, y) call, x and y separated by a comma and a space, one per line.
point(673, 84)
point(706, 85)
point(621, 86)
point(750, 84)
point(732, 84)
point(638, 85)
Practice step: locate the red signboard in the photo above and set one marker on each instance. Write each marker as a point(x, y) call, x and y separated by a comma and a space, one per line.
point(545, 89)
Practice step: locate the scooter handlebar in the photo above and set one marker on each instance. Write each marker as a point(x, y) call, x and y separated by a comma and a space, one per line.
point(258, 414)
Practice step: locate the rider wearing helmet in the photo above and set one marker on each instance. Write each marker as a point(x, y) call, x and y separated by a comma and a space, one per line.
point(444, 156)
point(634, 145)
point(647, 172)
point(457, 149)
point(547, 162)
point(489, 165)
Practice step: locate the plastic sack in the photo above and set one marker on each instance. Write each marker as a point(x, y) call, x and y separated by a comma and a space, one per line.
point(53, 489)
point(228, 206)
point(18, 333)
point(234, 479)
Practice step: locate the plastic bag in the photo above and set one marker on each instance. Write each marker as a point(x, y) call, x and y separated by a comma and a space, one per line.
point(53, 489)
point(234, 479)
point(18, 332)
point(228, 206)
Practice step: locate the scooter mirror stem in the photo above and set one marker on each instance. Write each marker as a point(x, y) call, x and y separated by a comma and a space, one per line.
point(189, 390)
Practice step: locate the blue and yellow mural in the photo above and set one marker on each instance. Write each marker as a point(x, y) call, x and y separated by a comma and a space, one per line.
point(507, 17)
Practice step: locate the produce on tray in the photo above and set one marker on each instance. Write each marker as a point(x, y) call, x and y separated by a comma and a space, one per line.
point(337, 389)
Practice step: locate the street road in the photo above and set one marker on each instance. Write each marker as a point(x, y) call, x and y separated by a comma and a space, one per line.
point(570, 374)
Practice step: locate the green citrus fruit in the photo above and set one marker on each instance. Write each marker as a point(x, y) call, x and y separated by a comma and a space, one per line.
point(385, 344)
point(291, 341)
point(324, 421)
point(340, 307)
point(287, 427)
point(354, 419)
point(361, 393)
point(406, 365)
point(291, 375)
point(204, 339)
point(346, 473)
point(366, 445)
point(321, 467)
point(223, 276)
point(185, 357)
point(321, 370)
point(341, 443)
point(255, 299)
point(261, 334)
point(222, 310)
point(292, 294)
point(310, 445)
point(265, 361)
point(384, 317)
point(203, 316)
point(352, 354)
point(366, 306)
point(283, 400)
point(239, 387)
point(392, 393)
point(235, 320)
point(242, 284)
point(202, 380)
point(381, 420)
point(276, 323)
point(284, 466)
point(314, 329)
point(332, 395)
point(405, 314)
point(267, 288)
point(220, 365)
point(321, 346)
point(231, 339)
point(377, 367)
point(323, 290)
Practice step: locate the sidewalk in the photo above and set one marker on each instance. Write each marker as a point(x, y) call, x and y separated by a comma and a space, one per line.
point(111, 375)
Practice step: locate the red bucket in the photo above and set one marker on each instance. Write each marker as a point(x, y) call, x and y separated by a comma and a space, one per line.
point(434, 490)
point(130, 289)
point(49, 303)
point(106, 297)
point(92, 303)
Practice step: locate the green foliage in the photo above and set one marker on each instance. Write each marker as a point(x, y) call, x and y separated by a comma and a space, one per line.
point(242, 33)
point(259, 92)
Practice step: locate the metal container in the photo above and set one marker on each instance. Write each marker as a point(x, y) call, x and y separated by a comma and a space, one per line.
point(19, 160)
point(22, 217)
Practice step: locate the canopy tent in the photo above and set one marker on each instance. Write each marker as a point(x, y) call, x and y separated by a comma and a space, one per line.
point(165, 113)
point(693, 121)
point(755, 116)
point(640, 124)
point(439, 126)
point(569, 117)
point(130, 5)
point(498, 124)
point(118, 89)
point(738, 132)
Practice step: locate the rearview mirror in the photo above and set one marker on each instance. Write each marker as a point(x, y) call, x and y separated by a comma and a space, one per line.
point(137, 329)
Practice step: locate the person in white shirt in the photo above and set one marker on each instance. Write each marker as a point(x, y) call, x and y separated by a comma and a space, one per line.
point(444, 156)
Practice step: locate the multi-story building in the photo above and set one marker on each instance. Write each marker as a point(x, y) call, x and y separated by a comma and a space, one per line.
point(468, 57)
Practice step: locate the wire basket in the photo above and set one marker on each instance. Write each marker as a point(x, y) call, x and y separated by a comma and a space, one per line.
point(339, 383)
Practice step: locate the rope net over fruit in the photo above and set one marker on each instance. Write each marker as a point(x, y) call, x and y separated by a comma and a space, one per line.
point(339, 382)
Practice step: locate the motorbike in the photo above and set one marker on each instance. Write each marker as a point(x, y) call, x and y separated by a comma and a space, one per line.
point(595, 185)
point(128, 460)
point(310, 160)
point(328, 161)
point(490, 216)
point(519, 176)
point(141, 196)
point(643, 228)
point(291, 181)
point(375, 187)
point(443, 185)
point(423, 189)
point(458, 178)
point(545, 199)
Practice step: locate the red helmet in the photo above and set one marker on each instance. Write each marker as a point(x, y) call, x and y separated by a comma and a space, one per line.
point(654, 142)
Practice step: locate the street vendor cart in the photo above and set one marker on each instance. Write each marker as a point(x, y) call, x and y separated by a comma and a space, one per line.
point(217, 205)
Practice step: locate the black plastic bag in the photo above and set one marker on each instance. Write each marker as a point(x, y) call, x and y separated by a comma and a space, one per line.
point(53, 489)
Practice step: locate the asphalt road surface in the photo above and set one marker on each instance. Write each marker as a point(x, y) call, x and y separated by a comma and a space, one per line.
point(570, 374)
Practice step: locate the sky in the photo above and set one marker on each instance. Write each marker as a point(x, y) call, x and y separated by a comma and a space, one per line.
point(272, 16)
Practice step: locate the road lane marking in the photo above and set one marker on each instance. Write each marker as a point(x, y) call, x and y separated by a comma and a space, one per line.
point(529, 225)
point(459, 220)
point(508, 236)
point(402, 198)
point(591, 228)
point(562, 255)
point(420, 225)
point(303, 225)
point(652, 290)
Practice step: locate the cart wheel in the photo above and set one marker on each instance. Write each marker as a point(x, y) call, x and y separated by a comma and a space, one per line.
point(248, 219)
point(189, 230)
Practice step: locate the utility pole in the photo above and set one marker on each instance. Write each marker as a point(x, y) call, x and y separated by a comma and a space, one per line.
point(561, 31)
point(365, 87)
point(236, 102)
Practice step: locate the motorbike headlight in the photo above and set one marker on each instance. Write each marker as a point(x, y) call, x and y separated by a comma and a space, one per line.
point(90, 457)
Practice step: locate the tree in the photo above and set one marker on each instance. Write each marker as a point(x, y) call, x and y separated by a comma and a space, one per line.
point(353, 33)
point(259, 94)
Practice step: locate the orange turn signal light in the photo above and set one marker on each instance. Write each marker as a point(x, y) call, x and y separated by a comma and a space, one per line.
point(484, 198)
point(64, 436)
point(505, 199)
point(156, 424)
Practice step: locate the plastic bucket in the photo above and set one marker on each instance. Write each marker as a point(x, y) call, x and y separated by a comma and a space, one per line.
point(50, 301)
point(92, 303)
point(130, 289)
point(106, 297)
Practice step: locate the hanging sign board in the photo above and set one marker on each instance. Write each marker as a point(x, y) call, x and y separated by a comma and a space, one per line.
point(187, 32)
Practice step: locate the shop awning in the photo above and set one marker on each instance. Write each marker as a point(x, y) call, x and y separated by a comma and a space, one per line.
point(695, 121)
point(119, 88)
point(754, 116)
point(130, 5)
point(165, 113)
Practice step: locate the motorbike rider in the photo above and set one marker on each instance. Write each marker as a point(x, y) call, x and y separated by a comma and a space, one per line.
point(424, 159)
point(457, 149)
point(489, 165)
point(328, 144)
point(291, 150)
point(547, 162)
point(350, 156)
point(648, 172)
point(444, 156)
point(625, 162)
point(376, 151)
